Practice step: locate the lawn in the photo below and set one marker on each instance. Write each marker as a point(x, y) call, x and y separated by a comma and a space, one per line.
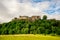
point(28, 37)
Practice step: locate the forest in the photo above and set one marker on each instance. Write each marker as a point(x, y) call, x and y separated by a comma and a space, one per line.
point(40, 26)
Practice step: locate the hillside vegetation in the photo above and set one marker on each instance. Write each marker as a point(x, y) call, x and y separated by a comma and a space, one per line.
point(40, 26)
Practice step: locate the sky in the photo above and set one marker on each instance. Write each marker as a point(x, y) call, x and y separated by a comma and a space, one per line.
point(15, 8)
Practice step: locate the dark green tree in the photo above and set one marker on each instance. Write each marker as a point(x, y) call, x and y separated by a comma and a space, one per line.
point(44, 17)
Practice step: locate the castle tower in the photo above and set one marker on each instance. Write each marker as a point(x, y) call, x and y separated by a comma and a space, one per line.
point(33, 18)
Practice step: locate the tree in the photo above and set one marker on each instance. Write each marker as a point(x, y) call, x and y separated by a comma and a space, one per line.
point(24, 31)
point(41, 26)
point(44, 17)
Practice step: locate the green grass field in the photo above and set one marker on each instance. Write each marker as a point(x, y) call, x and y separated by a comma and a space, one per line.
point(28, 37)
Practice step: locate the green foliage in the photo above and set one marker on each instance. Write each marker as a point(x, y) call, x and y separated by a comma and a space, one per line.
point(44, 17)
point(41, 26)
point(24, 31)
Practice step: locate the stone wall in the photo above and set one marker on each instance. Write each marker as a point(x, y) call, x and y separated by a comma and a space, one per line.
point(32, 18)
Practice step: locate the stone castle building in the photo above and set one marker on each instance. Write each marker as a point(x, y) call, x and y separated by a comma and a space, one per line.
point(32, 18)
point(35, 18)
point(23, 17)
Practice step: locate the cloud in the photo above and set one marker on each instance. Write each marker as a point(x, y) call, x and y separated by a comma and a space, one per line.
point(6, 10)
point(14, 8)
point(3, 12)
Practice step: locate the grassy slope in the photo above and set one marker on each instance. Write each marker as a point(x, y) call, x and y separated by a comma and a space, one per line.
point(28, 37)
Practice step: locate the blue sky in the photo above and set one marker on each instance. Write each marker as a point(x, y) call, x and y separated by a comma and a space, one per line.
point(40, 0)
point(53, 7)
point(14, 8)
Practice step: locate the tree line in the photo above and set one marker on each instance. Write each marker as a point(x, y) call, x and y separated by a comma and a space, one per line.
point(40, 26)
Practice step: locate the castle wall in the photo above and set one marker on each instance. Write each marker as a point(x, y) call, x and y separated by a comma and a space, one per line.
point(33, 18)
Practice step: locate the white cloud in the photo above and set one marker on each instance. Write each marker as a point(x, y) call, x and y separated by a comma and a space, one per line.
point(13, 8)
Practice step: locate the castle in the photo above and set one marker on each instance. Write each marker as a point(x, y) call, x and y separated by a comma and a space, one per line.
point(33, 18)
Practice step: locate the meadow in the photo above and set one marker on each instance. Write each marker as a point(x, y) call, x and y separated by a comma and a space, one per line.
point(28, 37)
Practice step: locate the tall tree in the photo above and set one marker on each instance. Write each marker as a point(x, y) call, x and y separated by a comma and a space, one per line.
point(44, 17)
